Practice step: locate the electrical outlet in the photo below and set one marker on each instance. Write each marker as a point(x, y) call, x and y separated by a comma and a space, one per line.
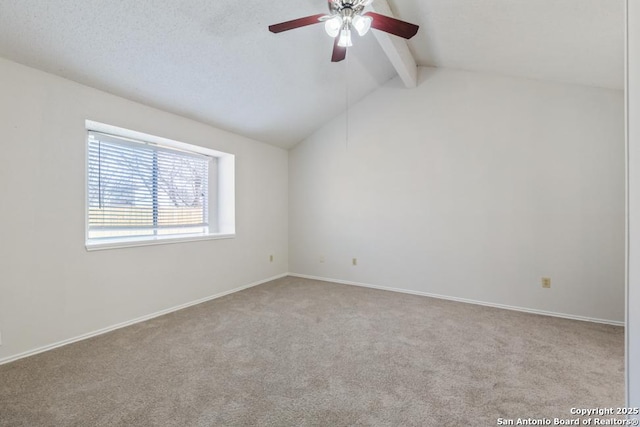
point(354, 261)
point(546, 282)
point(270, 258)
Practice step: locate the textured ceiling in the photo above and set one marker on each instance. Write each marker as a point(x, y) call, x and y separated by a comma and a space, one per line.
point(574, 41)
point(215, 61)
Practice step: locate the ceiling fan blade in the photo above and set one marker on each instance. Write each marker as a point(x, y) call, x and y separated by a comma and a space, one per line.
point(392, 25)
point(296, 23)
point(339, 52)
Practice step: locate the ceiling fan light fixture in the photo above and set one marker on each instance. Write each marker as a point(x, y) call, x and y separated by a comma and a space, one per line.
point(362, 24)
point(345, 38)
point(333, 25)
point(347, 15)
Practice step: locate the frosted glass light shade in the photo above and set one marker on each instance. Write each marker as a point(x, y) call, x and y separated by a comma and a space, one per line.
point(332, 26)
point(345, 38)
point(362, 24)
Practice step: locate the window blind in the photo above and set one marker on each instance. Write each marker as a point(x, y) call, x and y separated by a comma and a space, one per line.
point(142, 189)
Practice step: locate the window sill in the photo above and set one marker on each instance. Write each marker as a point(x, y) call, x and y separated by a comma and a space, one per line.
point(120, 243)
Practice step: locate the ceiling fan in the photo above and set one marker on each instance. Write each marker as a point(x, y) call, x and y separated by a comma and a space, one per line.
point(344, 16)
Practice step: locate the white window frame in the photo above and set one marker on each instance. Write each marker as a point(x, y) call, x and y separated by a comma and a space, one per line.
point(221, 192)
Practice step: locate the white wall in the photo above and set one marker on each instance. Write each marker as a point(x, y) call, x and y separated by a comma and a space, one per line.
point(471, 186)
point(51, 288)
point(633, 303)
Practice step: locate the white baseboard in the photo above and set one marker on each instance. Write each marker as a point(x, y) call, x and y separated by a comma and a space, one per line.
point(133, 321)
point(304, 276)
point(468, 301)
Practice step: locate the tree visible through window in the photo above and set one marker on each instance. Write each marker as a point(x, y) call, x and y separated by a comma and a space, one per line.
point(143, 189)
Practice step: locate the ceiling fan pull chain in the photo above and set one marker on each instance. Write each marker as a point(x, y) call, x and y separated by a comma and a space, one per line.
point(346, 113)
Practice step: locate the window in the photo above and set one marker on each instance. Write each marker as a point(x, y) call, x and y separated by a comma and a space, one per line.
point(140, 191)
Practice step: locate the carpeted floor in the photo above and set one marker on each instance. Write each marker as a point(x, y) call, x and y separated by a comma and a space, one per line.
point(296, 352)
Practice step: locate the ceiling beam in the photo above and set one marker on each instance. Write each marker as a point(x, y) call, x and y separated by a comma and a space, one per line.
point(396, 49)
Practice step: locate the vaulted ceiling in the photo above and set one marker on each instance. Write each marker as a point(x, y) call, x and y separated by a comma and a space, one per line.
point(215, 61)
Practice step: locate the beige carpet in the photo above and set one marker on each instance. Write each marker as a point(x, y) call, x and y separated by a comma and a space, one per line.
point(308, 353)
